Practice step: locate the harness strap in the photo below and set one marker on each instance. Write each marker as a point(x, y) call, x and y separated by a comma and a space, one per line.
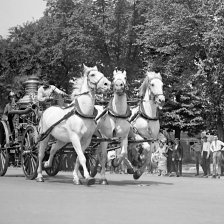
point(114, 114)
point(144, 115)
point(48, 131)
point(102, 114)
point(76, 111)
point(79, 112)
point(138, 133)
point(134, 117)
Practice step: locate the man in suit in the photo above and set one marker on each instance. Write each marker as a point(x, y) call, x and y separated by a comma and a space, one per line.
point(205, 153)
point(177, 157)
point(196, 150)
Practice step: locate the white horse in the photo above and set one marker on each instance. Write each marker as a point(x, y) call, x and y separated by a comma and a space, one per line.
point(114, 123)
point(145, 120)
point(77, 128)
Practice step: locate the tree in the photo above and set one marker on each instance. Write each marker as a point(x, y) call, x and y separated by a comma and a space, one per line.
point(172, 37)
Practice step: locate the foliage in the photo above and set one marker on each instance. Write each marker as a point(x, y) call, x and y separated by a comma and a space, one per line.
point(177, 34)
point(182, 39)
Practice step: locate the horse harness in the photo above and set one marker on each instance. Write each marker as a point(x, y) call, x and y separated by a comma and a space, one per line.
point(141, 113)
point(109, 110)
point(76, 110)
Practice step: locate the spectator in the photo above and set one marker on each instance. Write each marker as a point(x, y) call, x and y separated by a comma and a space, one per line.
point(8, 108)
point(169, 156)
point(177, 157)
point(216, 148)
point(162, 163)
point(205, 156)
point(196, 149)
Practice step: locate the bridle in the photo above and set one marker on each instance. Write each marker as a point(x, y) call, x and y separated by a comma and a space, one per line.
point(153, 96)
point(94, 84)
point(124, 83)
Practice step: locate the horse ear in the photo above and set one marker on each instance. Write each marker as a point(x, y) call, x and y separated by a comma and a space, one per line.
point(85, 68)
point(95, 68)
point(114, 72)
point(124, 72)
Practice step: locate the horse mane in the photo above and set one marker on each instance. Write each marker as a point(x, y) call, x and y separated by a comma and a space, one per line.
point(78, 82)
point(147, 80)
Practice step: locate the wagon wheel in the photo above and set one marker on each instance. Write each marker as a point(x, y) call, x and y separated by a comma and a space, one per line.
point(29, 153)
point(55, 168)
point(4, 155)
point(92, 163)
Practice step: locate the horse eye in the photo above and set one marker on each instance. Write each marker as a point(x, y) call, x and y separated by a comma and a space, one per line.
point(152, 84)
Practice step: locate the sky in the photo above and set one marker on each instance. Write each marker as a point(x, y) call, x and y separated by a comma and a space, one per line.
point(18, 12)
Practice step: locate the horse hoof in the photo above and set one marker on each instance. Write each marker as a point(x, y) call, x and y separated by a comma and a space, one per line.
point(39, 179)
point(90, 181)
point(137, 174)
point(77, 182)
point(45, 166)
point(104, 182)
point(130, 171)
point(114, 163)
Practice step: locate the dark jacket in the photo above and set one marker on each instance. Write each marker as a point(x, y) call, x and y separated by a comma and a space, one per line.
point(177, 152)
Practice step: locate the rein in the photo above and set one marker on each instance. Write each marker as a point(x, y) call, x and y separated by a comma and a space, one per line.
point(141, 113)
point(112, 113)
point(94, 84)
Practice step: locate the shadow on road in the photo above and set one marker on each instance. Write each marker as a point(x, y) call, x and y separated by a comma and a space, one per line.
point(68, 180)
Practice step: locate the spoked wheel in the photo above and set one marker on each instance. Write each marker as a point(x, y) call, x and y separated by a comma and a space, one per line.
point(29, 157)
point(92, 163)
point(55, 168)
point(4, 155)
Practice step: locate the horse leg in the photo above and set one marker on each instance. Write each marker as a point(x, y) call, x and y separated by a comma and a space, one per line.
point(137, 174)
point(130, 168)
point(54, 148)
point(75, 172)
point(103, 159)
point(124, 144)
point(117, 161)
point(78, 148)
point(41, 153)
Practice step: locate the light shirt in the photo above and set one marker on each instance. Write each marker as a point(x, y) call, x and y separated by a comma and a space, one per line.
point(44, 93)
point(216, 146)
point(9, 107)
point(206, 147)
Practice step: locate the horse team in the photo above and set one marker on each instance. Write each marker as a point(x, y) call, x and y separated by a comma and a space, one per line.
point(115, 121)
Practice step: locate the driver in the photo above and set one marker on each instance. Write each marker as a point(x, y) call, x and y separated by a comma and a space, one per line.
point(11, 105)
point(46, 93)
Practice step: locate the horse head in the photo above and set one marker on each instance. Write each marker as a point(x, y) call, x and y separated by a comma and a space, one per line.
point(119, 82)
point(96, 80)
point(154, 86)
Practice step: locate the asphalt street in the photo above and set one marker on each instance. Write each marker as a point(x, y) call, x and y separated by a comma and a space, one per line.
point(152, 199)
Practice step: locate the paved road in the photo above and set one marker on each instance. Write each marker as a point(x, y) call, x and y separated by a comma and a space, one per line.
point(152, 199)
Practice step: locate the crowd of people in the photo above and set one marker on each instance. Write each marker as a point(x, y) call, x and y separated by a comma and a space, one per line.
point(206, 152)
point(168, 157)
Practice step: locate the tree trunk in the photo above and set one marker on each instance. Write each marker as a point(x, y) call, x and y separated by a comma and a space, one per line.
point(177, 132)
point(220, 126)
